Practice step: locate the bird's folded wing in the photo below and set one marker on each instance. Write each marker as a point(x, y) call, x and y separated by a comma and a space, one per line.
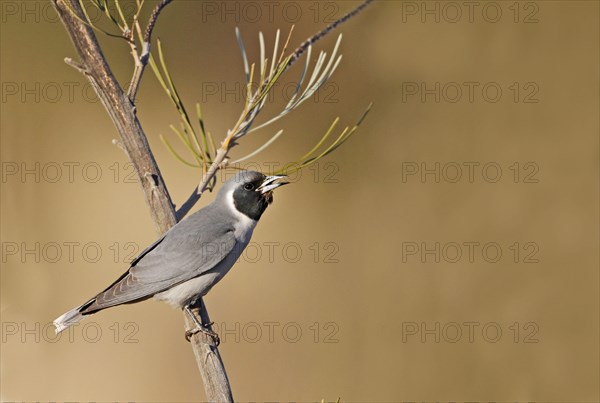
point(175, 258)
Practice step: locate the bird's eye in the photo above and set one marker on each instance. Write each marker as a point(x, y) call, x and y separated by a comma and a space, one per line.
point(249, 186)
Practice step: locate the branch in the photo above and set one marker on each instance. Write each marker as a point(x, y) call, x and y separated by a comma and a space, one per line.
point(122, 113)
point(216, 383)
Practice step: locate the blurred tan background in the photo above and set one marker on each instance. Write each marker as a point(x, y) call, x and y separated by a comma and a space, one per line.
point(368, 279)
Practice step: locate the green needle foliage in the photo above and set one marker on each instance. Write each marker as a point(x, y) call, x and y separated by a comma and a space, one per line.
point(191, 130)
point(269, 73)
point(198, 141)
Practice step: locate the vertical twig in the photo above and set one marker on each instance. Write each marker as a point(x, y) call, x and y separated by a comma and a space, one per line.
point(216, 382)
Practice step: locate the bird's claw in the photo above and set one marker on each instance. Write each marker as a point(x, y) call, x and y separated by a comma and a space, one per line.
point(204, 329)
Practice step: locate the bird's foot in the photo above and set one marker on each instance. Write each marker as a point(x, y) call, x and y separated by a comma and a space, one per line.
point(203, 329)
point(200, 327)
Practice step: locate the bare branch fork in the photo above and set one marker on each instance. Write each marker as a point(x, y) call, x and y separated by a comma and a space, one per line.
point(141, 60)
point(119, 105)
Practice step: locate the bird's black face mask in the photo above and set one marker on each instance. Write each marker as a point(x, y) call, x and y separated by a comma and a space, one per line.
point(253, 196)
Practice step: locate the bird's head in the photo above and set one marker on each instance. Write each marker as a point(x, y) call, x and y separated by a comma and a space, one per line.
point(251, 192)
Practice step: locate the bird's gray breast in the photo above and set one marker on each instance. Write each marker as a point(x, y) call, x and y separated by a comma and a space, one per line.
point(241, 228)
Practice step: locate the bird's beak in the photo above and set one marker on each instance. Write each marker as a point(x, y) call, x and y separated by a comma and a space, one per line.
point(270, 183)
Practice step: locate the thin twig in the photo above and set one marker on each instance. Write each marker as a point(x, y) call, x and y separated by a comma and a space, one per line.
point(141, 60)
point(310, 41)
point(153, 18)
point(77, 66)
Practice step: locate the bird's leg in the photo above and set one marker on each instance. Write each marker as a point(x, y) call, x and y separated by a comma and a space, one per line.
point(200, 328)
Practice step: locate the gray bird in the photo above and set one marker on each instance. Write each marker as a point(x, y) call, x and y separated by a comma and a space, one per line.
point(191, 257)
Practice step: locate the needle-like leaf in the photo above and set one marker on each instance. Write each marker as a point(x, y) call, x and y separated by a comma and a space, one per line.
point(244, 55)
point(260, 149)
